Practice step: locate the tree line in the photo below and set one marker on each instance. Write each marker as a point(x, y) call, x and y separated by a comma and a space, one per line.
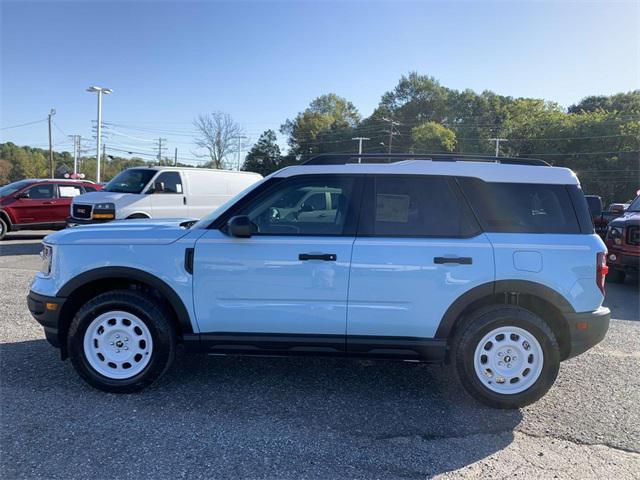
point(598, 138)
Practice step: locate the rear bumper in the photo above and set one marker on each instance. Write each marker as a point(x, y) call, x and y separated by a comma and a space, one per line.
point(46, 310)
point(587, 329)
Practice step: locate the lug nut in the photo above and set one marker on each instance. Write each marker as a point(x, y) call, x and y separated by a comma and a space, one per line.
point(117, 350)
point(117, 336)
point(500, 354)
point(111, 343)
point(126, 348)
point(500, 363)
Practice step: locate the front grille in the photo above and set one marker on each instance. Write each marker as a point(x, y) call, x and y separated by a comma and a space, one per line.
point(81, 211)
point(633, 234)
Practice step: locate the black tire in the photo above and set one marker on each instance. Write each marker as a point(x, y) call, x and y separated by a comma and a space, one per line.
point(615, 275)
point(156, 319)
point(137, 216)
point(481, 322)
point(4, 228)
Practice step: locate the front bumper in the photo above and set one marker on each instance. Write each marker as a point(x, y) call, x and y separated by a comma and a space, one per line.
point(46, 310)
point(624, 261)
point(74, 222)
point(587, 329)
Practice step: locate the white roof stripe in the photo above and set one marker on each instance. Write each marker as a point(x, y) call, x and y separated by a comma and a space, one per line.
point(490, 172)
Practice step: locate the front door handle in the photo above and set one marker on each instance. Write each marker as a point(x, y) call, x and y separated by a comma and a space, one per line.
point(48, 203)
point(327, 257)
point(459, 260)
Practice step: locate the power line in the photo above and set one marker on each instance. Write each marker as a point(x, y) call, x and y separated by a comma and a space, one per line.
point(24, 124)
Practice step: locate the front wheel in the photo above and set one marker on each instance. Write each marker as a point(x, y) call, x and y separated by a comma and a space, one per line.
point(121, 341)
point(506, 356)
point(3, 228)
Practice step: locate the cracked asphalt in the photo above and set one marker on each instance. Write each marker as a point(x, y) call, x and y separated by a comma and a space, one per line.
point(213, 417)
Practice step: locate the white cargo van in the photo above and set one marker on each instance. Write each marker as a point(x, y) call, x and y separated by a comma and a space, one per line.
point(157, 192)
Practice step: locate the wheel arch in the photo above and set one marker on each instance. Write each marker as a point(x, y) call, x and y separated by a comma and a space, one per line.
point(90, 283)
point(7, 219)
point(137, 215)
point(539, 299)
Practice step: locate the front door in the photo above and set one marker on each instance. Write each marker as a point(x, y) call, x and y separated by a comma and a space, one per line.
point(418, 249)
point(36, 204)
point(291, 276)
point(168, 198)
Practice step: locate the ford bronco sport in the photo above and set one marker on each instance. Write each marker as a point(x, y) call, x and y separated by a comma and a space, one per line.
point(490, 265)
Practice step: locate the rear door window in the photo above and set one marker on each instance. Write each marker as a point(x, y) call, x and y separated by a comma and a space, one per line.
point(69, 191)
point(521, 207)
point(415, 206)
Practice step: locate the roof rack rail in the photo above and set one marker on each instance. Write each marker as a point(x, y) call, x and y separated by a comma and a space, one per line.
point(344, 158)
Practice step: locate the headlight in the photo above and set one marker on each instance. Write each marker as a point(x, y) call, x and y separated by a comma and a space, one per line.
point(104, 206)
point(46, 257)
point(615, 234)
point(104, 211)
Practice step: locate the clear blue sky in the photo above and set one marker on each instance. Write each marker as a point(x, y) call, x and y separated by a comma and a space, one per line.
point(263, 62)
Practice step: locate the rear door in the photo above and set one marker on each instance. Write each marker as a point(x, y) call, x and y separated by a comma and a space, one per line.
point(66, 192)
point(418, 249)
point(169, 197)
point(38, 206)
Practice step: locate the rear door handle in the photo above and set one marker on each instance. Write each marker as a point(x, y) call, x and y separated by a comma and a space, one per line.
point(459, 260)
point(327, 257)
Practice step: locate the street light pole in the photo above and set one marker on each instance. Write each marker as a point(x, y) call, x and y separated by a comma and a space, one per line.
point(99, 91)
point(498, 140)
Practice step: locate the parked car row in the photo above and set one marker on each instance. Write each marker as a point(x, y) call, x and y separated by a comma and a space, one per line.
point(153, 192)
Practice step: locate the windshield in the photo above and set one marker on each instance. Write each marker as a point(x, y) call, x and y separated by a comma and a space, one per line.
point(130, 181)
point(635, 205)
point(206, 220)
point(13, 187)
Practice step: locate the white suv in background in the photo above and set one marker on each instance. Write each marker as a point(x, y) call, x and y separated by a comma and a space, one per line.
point(160, 192)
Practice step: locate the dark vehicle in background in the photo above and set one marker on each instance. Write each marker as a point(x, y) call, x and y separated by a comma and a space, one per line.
point(623, 243)
point(39, 204)
point(598, 217)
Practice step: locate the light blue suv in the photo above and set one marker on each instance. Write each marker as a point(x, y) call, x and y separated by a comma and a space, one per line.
point(487, 264)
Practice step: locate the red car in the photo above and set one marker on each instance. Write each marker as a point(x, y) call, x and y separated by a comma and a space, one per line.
point(38, 204)
point(623, 244)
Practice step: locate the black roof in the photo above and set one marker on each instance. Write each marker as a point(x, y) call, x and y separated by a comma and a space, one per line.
point(344, 158)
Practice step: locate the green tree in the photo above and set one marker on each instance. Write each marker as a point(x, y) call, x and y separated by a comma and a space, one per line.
point(264, 157)
point(433, 137)
point(326, 125)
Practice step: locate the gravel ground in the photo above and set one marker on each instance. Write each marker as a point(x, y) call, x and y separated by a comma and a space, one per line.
point(307, 418)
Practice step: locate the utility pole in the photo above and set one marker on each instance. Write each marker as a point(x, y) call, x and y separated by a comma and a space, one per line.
point(51, 113)
point(360, 139)
point(175, 158)
point(392, 124)
point(240, 138)
point(99, 91)
point(160, 148)
point(498, 140)
point(75, 153)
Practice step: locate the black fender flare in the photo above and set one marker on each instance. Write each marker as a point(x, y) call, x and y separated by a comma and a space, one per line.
point(492, 288)
point(104, 273)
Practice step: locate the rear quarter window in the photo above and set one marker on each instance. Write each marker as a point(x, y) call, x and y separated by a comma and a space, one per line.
point(522, 207)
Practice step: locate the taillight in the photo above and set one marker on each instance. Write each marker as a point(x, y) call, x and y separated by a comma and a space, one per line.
point(601, 270)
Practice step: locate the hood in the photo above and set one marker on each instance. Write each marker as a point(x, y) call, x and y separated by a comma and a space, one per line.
point(626, 218)
point(145, 231)
point(120, 199)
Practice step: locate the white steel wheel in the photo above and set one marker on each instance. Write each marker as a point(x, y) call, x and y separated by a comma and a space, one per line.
point(508, 360)
point(118, 345)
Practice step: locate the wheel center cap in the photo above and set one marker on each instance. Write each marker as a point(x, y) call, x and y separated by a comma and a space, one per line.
point(119, 344)
point(507, 358)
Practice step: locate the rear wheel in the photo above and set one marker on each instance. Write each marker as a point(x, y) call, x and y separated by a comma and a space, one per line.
point(3, 228)
point(506, 356)
point(121, 341)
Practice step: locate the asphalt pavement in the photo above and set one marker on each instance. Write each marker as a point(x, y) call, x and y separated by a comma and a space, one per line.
point(213, 417)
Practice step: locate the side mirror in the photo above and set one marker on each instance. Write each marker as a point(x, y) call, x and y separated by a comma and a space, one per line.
point(21, 195)
point(158, 187)
point(240, 226)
